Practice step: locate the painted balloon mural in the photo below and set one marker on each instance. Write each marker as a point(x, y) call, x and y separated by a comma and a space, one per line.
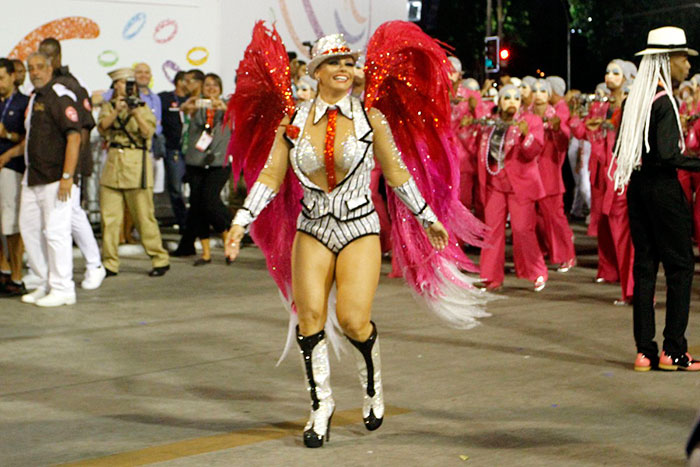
point(78, 27)
point(340, 26)
point(73, 27)
point(303, 20)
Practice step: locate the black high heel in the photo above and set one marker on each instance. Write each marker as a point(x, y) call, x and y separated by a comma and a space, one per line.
point(313, 439)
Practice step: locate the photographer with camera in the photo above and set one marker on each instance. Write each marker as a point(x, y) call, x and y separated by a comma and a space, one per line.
point(205, 158)
point(127, 125)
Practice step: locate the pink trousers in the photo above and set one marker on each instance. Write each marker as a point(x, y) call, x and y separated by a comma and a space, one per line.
point(553, 229)
point(529, 263)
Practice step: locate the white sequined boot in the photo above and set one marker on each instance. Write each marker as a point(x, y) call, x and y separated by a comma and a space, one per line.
point(369, 367)
point(314, 360)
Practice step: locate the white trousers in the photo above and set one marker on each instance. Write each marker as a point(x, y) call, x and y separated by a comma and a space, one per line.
point(83, 235)
point(45, 225)
point(582, 191)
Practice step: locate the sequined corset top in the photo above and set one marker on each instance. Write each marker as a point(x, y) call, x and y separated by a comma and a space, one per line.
point(310, 162)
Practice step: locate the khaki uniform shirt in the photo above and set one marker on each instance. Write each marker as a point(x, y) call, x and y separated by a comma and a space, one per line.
point(123, 168)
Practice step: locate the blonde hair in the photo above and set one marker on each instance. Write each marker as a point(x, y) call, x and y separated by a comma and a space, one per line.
point(654, 70)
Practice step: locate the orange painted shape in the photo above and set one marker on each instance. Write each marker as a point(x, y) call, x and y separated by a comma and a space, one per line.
point(72, 27)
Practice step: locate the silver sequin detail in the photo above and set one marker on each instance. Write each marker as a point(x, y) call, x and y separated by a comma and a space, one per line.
point(396, 154)
point(258, 198)
point(321, 366)
point(409, 194)
point(375, 402)
point(310, 162)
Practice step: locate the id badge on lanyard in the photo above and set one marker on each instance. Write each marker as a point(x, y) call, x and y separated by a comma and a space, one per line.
point(204, 141)
point(206, 137)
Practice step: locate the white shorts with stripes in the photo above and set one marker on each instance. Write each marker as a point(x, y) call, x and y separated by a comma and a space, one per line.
point(336, 234)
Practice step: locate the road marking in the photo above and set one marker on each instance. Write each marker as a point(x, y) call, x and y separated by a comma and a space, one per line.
point(193, 447)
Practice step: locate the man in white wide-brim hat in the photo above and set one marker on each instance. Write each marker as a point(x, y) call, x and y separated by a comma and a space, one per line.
point(648, 153)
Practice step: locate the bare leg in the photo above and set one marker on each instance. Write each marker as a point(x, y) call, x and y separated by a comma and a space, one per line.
point(16, 249)
point(206, 248)
point(313, 267)
point(4, 264)
point(312, 276)
point(357, 276)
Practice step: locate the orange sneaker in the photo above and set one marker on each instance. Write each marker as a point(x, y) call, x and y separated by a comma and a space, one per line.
point(644, 363)
point(683, 362)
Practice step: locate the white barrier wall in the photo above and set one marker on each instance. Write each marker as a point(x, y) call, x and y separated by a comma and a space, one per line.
point(100, 35)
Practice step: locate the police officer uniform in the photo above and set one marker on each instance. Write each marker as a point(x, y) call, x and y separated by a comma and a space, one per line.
point(127, 178)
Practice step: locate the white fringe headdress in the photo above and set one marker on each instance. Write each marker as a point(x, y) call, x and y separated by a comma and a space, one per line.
point(654, 71)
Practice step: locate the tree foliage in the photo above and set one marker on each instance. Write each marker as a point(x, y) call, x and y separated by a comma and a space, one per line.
point(536, 32)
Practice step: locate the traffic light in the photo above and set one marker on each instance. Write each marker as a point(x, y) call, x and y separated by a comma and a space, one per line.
point(505, 53)
point(492, 58)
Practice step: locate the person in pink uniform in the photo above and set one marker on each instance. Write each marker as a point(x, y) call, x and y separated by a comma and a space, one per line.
point(460, 111)
point(510, 183)
point(467, 109)
point(552, 225)
point(690, 181)
point(615, 250)
point(556, 97)
point(526, 85)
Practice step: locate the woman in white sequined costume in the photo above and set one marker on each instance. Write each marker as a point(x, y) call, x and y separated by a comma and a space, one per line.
point(331, 144)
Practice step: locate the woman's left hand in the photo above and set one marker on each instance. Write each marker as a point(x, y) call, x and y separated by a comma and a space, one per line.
point(437, 235)
point(218, 104)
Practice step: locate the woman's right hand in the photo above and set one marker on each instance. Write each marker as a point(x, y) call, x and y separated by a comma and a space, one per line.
point(233, 241)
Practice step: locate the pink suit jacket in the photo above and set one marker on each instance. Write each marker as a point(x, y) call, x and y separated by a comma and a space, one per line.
point(554, 151)
point(521, 158)
point(692, 138)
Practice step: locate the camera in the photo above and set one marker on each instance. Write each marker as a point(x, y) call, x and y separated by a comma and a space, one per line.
point(203, 103)
point(132, 97)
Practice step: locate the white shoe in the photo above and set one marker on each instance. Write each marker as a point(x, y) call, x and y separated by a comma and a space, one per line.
point(31, 281)
point(56, 299)
point(32, 297)
point(93, 278)
point(539, 284)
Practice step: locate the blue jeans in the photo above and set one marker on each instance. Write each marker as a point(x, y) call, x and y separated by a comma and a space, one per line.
point(174, 171)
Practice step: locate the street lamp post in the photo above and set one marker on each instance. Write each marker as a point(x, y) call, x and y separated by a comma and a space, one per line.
point(567, 15)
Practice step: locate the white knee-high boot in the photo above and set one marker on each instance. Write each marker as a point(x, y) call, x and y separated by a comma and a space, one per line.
point(314, 360)
point(369, 367)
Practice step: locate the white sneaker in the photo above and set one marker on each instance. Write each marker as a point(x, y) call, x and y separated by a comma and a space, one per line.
point(56, 299)
point(32, 297)
point(539, 283)
point(93, 278)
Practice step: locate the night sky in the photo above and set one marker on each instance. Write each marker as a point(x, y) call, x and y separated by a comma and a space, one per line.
point(536, 35)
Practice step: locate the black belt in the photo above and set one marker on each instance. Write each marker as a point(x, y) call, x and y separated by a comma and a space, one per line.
point(122, 146)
